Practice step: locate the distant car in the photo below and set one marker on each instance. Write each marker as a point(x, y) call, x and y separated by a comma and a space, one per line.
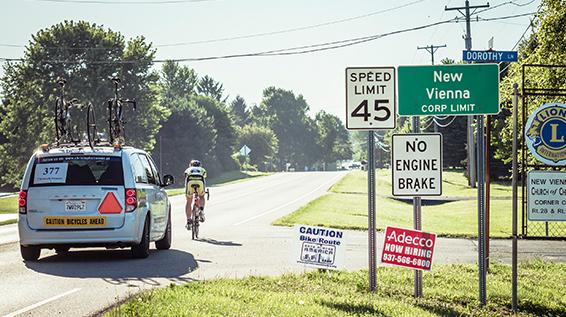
point(102, 197)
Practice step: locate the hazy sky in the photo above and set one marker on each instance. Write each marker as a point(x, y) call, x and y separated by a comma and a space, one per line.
point(318, 76)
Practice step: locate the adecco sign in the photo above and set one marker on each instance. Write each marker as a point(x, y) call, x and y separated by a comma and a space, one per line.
point(408, 248)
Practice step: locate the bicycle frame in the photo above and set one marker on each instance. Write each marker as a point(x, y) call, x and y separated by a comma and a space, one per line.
point(115, 114)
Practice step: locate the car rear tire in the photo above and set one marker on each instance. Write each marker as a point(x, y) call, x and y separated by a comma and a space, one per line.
point(30, 253)
point(165, 242)
point(141, 250)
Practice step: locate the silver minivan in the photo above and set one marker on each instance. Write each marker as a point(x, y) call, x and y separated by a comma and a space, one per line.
point(100, 197)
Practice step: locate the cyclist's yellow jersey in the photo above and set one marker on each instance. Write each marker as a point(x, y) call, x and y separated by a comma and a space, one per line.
point(194, 176)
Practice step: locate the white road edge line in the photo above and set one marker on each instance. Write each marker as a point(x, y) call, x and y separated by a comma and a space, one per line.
point(43, 302)
point(289, 203)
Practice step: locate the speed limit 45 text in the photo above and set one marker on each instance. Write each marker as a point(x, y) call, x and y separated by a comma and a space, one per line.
point(369, 77)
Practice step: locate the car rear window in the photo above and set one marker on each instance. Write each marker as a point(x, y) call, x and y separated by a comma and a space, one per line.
point(77, 170)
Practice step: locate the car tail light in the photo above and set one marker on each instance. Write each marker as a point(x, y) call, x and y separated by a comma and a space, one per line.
point(23, 201)
point(131, 199)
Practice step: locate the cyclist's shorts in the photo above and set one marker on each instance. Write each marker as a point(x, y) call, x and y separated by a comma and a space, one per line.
point(193, 182)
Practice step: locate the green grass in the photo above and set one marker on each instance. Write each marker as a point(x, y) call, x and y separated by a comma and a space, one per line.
point(345, 207)
point(450, 290)
point(454, 184)
point(8, 222)
point(223, 179)
point(9, 205)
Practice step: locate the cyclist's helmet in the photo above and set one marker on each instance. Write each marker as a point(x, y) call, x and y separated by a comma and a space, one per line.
point(195, 163)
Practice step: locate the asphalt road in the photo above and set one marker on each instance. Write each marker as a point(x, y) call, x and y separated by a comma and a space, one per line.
point(236, 240)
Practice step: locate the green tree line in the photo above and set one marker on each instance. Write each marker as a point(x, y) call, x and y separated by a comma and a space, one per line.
point(180, 116)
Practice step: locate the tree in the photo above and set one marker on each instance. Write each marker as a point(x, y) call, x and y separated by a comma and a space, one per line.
point(333, 139)
point(188, 133)
point(286, 115)
point(177, 81)
point(87, 55)
point(210, 88)
point(544, 46)
point(226, 139)
point(239, 111)
point(263, 144)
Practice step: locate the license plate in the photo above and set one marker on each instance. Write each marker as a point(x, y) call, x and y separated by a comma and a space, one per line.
point(74, 221)
point(75, 205)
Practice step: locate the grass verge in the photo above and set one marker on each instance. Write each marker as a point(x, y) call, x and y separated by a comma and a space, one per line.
point(223, 179)
point(8, 222)
point(345, 207)
point(9, 205)
point(450, 290)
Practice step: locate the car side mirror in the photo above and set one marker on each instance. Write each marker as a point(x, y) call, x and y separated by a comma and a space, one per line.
point(168, 180)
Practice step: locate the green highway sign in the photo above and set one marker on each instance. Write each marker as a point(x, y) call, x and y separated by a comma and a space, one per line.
point(466, 89)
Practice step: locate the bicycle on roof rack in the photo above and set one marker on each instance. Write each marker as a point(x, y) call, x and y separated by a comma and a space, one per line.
point(116, 121)
point(66, 132)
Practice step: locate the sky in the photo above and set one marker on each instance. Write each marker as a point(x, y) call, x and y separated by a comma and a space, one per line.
point(318, 76)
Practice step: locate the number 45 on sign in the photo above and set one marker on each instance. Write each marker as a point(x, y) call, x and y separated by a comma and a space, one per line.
point(370, 98)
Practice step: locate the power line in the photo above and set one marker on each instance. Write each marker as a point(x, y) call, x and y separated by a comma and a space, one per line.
point(122, 2)
point(279, 52)
point(248, 36)
point(444, 125)
point(506, 3)
point(307, 27)
point(507, 17)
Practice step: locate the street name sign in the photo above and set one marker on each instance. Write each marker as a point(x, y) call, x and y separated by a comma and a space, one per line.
point(467, 89)
point(408, 248)
point(417, 164)
point(546, 197)
point(490, 56)
point(319, 247)
point(370, 98)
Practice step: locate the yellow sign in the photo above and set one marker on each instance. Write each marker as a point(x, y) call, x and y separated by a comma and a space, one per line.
point(74, 221)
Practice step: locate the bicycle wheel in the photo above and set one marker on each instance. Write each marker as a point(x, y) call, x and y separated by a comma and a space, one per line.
point(91, 126)
point(58, 121)
point(196, 223)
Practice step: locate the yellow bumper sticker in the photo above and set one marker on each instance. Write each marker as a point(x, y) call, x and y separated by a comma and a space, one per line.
point(74, 221)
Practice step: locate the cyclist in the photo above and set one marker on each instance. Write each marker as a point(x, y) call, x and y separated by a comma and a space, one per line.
point(195, 175)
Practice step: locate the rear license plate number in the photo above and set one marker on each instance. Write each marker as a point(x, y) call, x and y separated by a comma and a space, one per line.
point(75, 205)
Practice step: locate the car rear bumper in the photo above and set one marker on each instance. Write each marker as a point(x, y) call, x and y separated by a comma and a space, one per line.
point(128, 234)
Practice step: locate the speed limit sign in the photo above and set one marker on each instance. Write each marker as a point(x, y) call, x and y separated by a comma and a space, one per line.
point(370, 98)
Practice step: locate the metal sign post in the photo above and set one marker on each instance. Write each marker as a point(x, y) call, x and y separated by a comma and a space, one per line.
point(481, 210)
point(371, 105)
point(514, 218)
point(418, 287)
point(371, 213)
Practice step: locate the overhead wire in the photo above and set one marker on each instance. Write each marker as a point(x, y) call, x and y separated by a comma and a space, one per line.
point(285, 51)
point(444, 125)
point(123, 2)
point(289, 30)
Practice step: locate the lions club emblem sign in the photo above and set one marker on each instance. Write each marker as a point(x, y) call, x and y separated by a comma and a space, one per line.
point(545, 134)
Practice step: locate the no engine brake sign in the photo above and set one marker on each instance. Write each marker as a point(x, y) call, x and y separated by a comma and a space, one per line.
point(417, 164)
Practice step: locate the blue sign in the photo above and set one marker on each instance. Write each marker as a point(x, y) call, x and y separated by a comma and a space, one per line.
point(490, 56)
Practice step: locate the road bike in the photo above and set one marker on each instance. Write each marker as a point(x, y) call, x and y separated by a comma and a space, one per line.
point(65, 131)
point(116, 114)
point(196, 215)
